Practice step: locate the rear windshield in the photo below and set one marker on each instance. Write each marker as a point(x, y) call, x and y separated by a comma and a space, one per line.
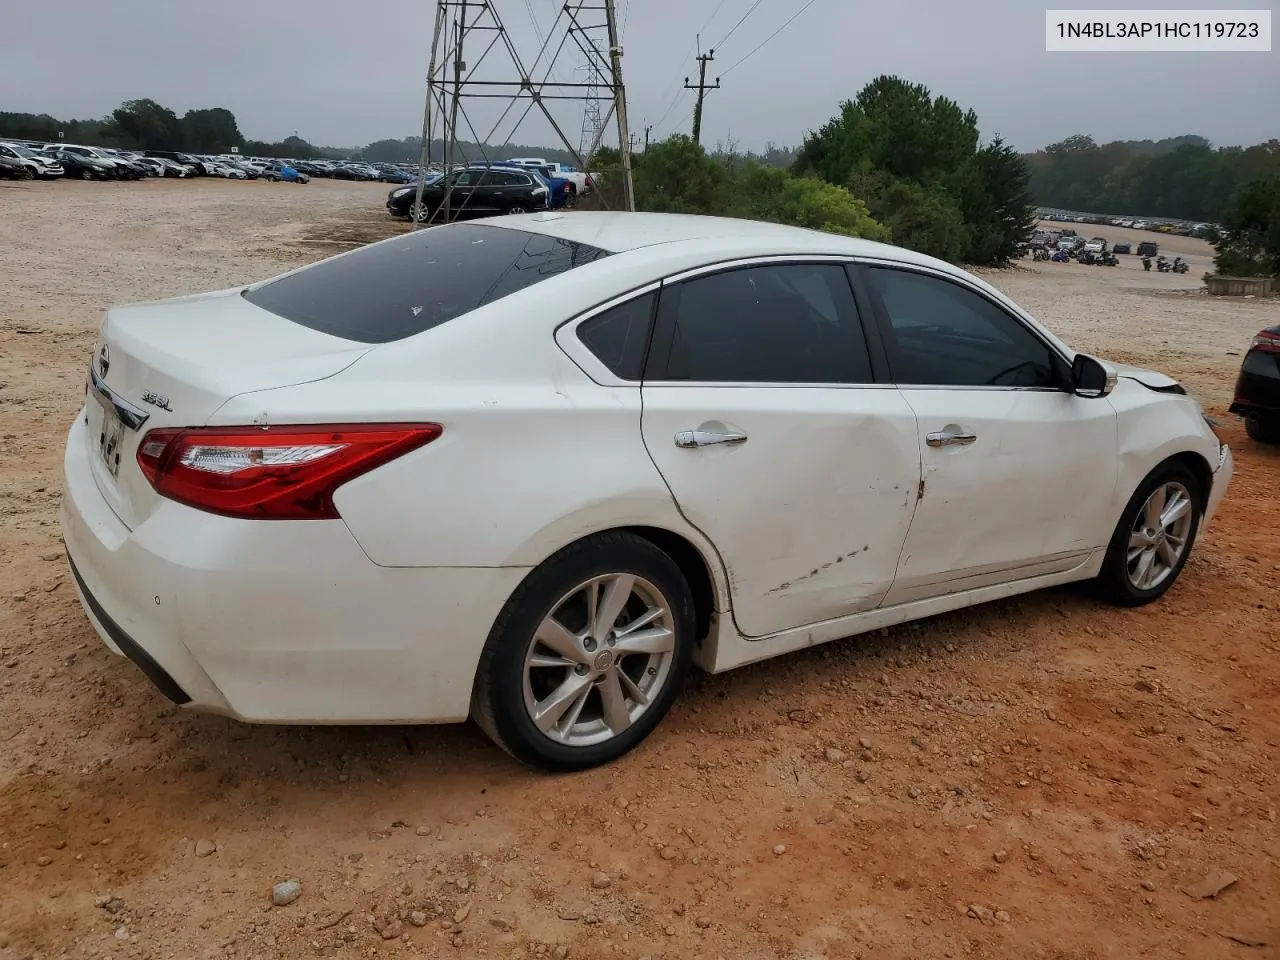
point(389, 291)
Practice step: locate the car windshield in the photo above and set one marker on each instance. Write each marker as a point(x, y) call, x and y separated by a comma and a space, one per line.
point(398, 288)
point(20, 150)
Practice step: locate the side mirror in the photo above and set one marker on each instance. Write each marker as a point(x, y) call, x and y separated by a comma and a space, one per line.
point(1089, 378)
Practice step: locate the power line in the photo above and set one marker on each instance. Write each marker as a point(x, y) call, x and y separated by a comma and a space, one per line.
point(770, 37)
point(750, 10)
point(712, 17)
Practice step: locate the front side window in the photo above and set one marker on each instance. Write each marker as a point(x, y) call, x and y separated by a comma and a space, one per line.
point(941, 334)
point(776, 323)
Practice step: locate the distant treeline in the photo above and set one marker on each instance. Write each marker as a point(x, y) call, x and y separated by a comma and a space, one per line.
point(148, 125)
point(1183, 177)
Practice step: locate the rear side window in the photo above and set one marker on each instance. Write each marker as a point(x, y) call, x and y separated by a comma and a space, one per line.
point(619, 337)
point(392, 290)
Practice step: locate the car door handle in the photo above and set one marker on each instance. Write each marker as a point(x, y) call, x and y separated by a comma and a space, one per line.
point(950, 435)
point(705, 438)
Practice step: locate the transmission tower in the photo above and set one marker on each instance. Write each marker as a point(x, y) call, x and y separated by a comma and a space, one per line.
point(592, 124)
point(453, 78)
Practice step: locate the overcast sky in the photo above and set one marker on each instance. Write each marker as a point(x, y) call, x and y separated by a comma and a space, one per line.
point(343, 73)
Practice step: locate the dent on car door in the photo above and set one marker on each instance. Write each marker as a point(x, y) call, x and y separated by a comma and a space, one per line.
point(1018, 471)
point(761, 411)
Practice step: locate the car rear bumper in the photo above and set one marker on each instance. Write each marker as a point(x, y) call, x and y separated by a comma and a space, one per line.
point(1258, 385)
point(276, 621)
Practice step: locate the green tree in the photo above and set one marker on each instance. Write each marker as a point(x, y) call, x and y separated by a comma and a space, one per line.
point(211, 130)
point(1248, 244)
point(915, 160)
point(150, 125)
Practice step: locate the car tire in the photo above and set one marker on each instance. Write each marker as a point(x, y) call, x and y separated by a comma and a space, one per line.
point(611, 700)
point(1263, 428)
point(28, 173)
point(1150, 547)
point(518, 208)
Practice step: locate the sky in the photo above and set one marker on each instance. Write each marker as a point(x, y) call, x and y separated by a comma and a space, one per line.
point(341, 73)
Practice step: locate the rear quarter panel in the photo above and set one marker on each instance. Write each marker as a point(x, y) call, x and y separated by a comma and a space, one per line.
point(534, 454)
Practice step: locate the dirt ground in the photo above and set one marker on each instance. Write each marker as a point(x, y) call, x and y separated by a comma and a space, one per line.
point(1037, 778)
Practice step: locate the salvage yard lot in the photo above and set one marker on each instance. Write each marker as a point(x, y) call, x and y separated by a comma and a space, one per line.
point(1036, 778)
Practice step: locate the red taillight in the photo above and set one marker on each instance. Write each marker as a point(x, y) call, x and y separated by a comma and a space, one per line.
point(271, 473)
point(1266, 341)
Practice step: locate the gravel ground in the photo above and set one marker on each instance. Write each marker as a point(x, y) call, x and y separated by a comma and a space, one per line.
point(1037, 778)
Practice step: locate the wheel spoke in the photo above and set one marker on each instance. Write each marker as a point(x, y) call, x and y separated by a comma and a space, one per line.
point(1175, 511)
point(632, 689)
point(1154, 507)
point(551, 660)
point(1143, 573)
point(616, 716)
point(556, 636)
point(1168, 553)
point(572, 689)
point(653, 640)
point(1138, 540)
point(646, 618)
point(615, 598)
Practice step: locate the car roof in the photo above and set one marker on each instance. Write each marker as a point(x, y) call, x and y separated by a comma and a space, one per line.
point(621, 232)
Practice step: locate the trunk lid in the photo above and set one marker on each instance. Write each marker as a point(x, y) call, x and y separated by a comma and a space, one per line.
point(174, 363)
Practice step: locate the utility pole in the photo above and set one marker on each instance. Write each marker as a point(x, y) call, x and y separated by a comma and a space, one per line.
point(634, 139)
point(702, 88)
point(620, 99)
point(647, 128)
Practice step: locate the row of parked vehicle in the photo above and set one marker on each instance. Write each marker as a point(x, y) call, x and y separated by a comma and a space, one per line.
point(519, 185)
point(28, 160)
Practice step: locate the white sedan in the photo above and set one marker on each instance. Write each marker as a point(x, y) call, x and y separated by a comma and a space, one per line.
point(532, 469)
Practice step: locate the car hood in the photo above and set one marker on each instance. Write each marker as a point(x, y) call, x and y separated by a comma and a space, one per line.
point(1148, 378)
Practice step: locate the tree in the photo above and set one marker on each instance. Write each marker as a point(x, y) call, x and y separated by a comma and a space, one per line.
point(211, 130)
point(149, 125)
point(915, 160)
point(1248, 245)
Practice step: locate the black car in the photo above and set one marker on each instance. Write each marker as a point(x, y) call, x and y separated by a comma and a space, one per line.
point(477, 192)
point(80, 166)
point(1257, 396)
point(1121, 248)
point(1148, 248)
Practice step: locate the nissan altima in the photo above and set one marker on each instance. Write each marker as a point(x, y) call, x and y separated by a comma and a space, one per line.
point(534, 470)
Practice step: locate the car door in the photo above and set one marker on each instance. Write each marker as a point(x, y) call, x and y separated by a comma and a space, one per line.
point(761, 411)
point(1018, 472)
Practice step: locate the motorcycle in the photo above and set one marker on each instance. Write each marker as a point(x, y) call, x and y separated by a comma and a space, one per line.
point(1146, 264)
point(1179, 265)
point(1061, 256)
point(1162, 265)
point(1041, 255)
point(1107, 260)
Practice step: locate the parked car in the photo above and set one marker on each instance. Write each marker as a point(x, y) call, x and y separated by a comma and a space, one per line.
point(579, 182)
point(1148, 248)
point(285, 173)
point(395, 175)
point(12, 168)
point(1095, 245)
point(369, 454)
point(562, 190)
point(46, 168)
point(476, 192)
point(1257, 396)
point(1122, 247)
point(355, 171)
point(82, 167)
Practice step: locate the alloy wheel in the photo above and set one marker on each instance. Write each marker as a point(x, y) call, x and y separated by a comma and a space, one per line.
point(598, 659)
point(1159, 535)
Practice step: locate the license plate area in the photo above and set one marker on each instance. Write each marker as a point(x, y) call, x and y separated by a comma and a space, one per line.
point(110, 439)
